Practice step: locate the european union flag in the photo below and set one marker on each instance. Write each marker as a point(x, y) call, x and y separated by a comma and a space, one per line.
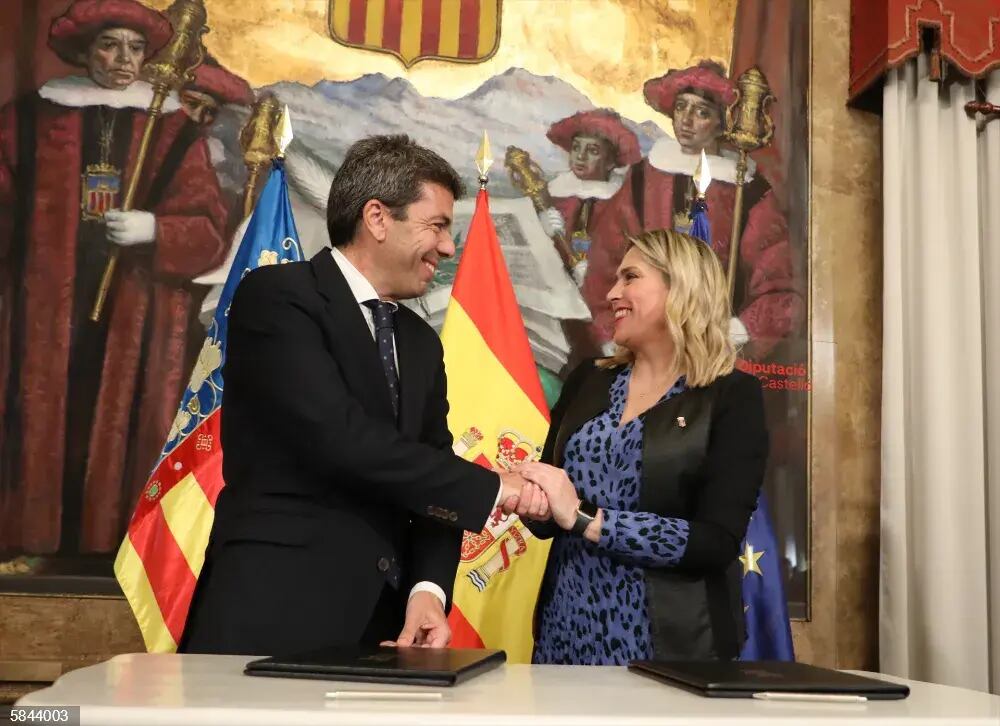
point(769, 635)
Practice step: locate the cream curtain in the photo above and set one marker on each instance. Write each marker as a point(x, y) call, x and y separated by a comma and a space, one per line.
point(939, 598)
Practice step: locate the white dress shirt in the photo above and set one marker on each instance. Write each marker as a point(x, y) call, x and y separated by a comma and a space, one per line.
point(364, 291)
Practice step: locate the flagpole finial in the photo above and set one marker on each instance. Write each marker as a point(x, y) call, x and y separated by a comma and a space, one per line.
point(283, 133)
point(484, 160)
point(702, 175)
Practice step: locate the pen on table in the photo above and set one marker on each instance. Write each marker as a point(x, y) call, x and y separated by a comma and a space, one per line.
point(809, 697)
point(384, 695)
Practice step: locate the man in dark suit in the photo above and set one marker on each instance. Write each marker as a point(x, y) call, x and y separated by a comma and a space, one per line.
point(342, 516)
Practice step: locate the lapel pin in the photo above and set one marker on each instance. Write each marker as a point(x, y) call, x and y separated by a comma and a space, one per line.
point(681, 421)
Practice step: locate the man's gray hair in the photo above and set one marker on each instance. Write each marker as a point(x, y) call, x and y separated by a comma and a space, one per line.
point(391, 169)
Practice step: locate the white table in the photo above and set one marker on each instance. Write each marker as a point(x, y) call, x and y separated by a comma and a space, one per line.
point(157, 690)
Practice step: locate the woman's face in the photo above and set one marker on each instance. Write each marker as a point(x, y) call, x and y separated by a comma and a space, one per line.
point(639, 302)
point(697, 122)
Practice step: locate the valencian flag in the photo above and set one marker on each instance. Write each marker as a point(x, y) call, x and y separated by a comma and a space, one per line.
point(413, 30)
point(498, 416)
point(162, 554)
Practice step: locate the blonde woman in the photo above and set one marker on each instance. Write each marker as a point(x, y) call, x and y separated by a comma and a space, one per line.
point(654, 459)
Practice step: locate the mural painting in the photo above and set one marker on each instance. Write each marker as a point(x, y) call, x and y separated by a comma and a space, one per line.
point(599, 112)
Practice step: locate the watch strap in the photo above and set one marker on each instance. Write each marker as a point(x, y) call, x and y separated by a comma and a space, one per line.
point(585, 514)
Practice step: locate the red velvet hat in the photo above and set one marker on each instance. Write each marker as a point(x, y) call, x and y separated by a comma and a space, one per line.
point(224, 86)
point(660, 93)
point(72, 32)
point(602, 122)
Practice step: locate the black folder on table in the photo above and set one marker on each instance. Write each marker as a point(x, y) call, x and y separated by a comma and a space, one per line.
point(742, 679)
point(374, 664)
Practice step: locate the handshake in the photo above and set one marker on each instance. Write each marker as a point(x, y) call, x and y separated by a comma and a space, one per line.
point(539, 492)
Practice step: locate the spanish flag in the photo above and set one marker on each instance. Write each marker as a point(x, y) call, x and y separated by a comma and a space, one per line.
point(498, 416)
point(161, 556)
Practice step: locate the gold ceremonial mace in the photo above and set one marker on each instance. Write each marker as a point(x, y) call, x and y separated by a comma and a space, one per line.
point(526, 175)
point(169, 70)
point(258, 138)
point(750, 128)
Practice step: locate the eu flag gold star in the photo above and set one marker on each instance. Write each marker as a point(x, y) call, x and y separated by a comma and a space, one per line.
point(749, 559)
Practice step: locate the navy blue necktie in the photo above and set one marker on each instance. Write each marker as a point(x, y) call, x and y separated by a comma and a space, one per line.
point(383, 312)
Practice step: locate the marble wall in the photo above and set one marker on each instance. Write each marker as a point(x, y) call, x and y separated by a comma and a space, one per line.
point(846, 351)
point(846, 282)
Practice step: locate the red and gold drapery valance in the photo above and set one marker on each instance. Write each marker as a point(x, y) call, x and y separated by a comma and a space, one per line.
point(885, 33)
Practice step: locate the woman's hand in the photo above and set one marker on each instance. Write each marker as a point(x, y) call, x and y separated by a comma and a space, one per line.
point(562, 499)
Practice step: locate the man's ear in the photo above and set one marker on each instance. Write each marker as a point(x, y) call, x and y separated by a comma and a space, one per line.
point(374, 216)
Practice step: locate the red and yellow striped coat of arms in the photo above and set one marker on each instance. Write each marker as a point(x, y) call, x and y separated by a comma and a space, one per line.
point(412, 30)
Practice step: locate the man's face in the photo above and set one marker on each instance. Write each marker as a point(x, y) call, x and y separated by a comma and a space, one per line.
point(115, 57)
point(412, 248)
point(201, 107)
point(591, 157)
point(697, 123)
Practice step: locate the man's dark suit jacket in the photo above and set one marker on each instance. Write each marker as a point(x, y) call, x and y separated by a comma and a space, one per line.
point(328, 500)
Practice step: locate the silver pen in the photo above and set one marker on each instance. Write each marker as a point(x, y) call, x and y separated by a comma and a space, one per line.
point(385, 695)
point(809, 697)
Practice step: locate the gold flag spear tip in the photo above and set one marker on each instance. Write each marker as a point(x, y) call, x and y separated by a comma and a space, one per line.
point(284, 135)
point(484, 160)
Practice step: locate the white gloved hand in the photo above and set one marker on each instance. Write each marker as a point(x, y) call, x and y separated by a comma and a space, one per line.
point(738, 332)
point(579, 272)
point(552, 221)
point(130, 228)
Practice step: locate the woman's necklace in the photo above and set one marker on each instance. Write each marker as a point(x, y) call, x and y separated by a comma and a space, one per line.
point(657, 388)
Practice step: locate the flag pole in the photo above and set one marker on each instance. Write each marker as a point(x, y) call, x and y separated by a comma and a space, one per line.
point(750, 128)
point(699, 208)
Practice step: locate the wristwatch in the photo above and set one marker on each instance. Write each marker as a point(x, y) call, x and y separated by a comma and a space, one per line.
point(585, 514)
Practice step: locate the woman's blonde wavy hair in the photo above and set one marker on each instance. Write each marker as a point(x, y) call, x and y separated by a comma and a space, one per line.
point(698, 309)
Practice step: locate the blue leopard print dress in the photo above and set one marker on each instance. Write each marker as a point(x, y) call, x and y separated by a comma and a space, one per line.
point(592, 608)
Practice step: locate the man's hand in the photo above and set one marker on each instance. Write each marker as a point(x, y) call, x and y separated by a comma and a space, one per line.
point(510, 494)
point(426, 625)
point(130, 228)
point(533, 503)
point(563, 500)
point(522, 497)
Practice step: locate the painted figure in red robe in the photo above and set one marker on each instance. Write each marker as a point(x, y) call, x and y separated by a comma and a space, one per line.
point(85, 406)
point(768, 300)
point(587, 210)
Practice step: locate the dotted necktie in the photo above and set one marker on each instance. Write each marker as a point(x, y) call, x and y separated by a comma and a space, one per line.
point(383, 312)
